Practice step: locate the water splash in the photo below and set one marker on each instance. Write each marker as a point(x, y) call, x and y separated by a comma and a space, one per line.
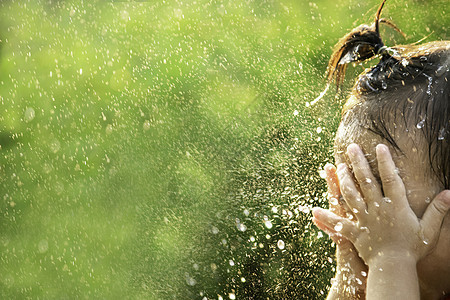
point(319, 97)
point(430, 82)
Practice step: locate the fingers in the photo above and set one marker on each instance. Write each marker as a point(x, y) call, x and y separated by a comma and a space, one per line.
point(350, 192)
point(393, 186)
point(334, 223)
point(363, 173)
point(334, 192)
point(434, 215)
point(332, 182)
point(335, 237)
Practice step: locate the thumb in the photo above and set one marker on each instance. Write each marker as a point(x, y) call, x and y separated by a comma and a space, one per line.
point(334, 192)
point(434, 215)
point(332, 181)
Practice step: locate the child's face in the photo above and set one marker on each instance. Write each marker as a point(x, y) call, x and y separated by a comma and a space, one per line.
point(421, 186)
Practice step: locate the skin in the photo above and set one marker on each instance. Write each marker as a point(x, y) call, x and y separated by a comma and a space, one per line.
point(433, 267)
point(421, 186)
point(386, 232)
point(350, 267)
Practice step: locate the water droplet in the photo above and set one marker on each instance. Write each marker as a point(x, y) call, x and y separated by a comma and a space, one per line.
point(190, 280)
point(55, 145)
point(430, 82)
point(319, 234)
point(368, 180)
point(232, 296)
point(387, 200)
point(109, 129)
point(246, 212)
point(295, 112)
point(146, 125)
point(303, 209)
point(441, 134)
point(420, 124)
point(268, 224)
point(364, 274)
point(334, 201)
point(243, 279)
point(338, 226)
point(427, 200)
point(355, 211)
point(43, 246)
point(322, 174)
point(214, 230)
point(125, 15)
point(213, 267)
point(29, 114)
point(376, 204)
point(441, 70)
point(241, 227)
point(231, 262)
point(178, 13)
point(426, 242)
point(319, 129)
point(405, 62)
point(280, 244)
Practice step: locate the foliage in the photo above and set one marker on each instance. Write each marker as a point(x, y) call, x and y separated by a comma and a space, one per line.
point(164, 149)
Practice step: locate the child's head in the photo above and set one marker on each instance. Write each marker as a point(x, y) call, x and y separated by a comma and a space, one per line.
point(404, 103)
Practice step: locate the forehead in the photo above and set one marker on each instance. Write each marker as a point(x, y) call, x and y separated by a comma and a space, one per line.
point(411, 159)
point(407, 143)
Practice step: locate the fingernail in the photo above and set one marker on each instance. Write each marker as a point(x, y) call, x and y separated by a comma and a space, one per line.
point(446, 197)
point(328, 167)
point(314, 210)
point(381, 148)
point(341, 167)
point(352, 149)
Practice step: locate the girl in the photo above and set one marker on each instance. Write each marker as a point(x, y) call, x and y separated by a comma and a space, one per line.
point(392, 228)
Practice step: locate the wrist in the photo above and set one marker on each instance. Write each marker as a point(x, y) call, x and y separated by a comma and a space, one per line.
point(392, 256)
point(392, 276)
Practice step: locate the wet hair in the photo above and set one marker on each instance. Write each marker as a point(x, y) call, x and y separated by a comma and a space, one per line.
point(410, 84)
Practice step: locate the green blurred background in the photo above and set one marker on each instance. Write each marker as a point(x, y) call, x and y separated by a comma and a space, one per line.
point(164, 149)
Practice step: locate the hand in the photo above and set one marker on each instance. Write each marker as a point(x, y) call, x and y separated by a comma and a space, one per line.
point(351, 273)
point(385, 225)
